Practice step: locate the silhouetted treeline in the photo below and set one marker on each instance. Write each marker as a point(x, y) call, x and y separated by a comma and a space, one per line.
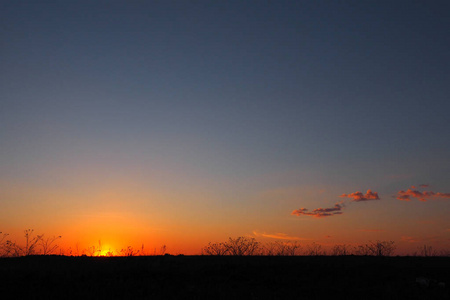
point(240, 246)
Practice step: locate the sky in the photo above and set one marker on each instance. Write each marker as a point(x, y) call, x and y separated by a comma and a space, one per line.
point(188, 122)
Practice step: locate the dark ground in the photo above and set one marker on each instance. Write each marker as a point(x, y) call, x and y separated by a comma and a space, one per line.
point(208, 277)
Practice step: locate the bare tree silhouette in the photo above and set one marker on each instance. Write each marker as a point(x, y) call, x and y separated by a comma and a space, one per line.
point(215, 249)
point(381, 248)
point(340, 249)
point(242, 246)
point(279, 248)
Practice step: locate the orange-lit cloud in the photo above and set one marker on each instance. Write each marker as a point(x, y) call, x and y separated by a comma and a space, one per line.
point(358, 196)
point(420, 185)
point(320, 212)
point(279, 236)
point(338, 207)
point(422, 196)
point(372, 230)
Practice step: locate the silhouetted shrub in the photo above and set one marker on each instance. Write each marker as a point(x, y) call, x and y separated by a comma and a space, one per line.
point(315, 250)
point(279, 248)
point(48, 245)
point(242, 246)
point(10, 248)
point(381, 248)
point(339, 250)
point(427, 251)
point(215, 249)
point(129, 251)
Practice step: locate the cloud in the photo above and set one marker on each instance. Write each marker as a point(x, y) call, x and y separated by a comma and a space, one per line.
point(358, 196)
point(338, 207)
point(442, 195)
point(320, 212)
point(420, 185)
point(410, 239)
point(279, 236)
point(422, 196)
point(372, 230)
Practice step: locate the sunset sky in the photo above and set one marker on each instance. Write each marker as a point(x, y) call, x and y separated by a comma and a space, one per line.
point(185, 122)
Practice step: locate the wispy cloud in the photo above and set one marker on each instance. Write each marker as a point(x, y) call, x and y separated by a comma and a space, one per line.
point(422, 196)
point(358, 196)
point(410, 239)
point(320, 212)
point(278, 236)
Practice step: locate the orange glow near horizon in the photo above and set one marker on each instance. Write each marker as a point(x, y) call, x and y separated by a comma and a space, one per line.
point(110, 221)
point(98, 243)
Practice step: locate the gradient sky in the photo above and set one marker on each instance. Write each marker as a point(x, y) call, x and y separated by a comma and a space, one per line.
point(184, 122)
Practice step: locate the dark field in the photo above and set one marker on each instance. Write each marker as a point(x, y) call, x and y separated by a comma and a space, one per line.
point(209, 277)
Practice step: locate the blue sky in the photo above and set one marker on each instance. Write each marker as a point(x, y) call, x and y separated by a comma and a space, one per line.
point(224, 100)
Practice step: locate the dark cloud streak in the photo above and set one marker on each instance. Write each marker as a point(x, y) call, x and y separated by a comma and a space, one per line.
point(320, 212)
point(338, 207)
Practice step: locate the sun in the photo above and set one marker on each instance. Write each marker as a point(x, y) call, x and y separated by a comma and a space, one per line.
point(107, 250)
